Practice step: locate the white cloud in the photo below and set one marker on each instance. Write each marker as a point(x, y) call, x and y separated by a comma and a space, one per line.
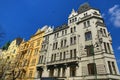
point(115, 15)
point(118, 48)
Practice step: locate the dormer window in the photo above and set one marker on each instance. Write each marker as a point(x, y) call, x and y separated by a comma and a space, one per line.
point(75, 19)
point(85, 14)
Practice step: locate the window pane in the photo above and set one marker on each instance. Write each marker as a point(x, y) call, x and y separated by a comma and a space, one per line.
point(88, 36)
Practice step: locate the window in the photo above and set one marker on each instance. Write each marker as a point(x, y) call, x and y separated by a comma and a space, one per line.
point(92, 69)
point(51, 72)
point(108, 45)
point(33, 62)
point(75, 19)
point(90, 50)
point(74, 28)
point(55, 45)
point(57, 35)
point(30, 73)
point(65, 31)
point(36, 51)
point(110, 67)
point(62, 32)
point(73, 40)
point(70, 53)
point(65, 41)
point(88, 36)
point(85, 25)
point(60, 55)
point(114, 69)
point(41, 59)
point(105, 47)
point(88, 23)
point(104, 32)
point(63, 72)
point(64, 55)
point(61, 43)
point(74, 53)
point(38, 42)
point(73, 71)
point(71, 30)
point(52, 58)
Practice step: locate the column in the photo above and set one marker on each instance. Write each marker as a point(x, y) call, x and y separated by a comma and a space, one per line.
point(67, 72)
point(45, 72)
point(61, 72)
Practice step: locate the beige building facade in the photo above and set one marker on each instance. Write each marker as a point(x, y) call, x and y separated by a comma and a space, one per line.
point(79, 50)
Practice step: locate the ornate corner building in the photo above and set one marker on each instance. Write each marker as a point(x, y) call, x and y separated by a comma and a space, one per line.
point(79, 50)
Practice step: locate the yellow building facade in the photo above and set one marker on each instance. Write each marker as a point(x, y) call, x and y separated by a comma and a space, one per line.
point(27, 57)
point(35, 41)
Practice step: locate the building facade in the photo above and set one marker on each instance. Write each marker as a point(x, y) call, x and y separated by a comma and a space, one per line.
point(79, 50)
point(8, 58)
point(28, 56)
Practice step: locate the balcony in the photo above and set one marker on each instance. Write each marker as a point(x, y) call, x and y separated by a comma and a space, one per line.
point(63, 61)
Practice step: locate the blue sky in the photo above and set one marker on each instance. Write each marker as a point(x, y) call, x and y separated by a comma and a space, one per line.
point(22, 18)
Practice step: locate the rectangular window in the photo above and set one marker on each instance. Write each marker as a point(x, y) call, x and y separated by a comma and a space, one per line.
point(74, 28)
point(73, 71)
point(33, 62)
point(113, 65)
point(64, 55)
point(63, 72)
point(88, 36)
point(62, 32)
point(30, 73)
point(54, 57)
point(90, 50)
point(70, 53)
point(88, 23)
point(104, 32)
point(56, 45)
point(110, 67)
point(38, 42)
point(71, 30)
point(105, 47)
point(60, 55)
point(53, 46)
point(92, 69)
point(57, 35)
point(74, 40)
point(74, 53)
point(51, 72)
point(85, 25)
point(71, 40)
point(108, 45)
point(65, 41)
point(61, 43)
point(65, 31)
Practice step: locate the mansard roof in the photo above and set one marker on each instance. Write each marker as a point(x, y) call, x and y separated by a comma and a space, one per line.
point(84, 7)
point(59, 28)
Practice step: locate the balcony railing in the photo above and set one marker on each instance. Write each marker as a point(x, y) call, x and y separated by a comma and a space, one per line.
point(62, 61)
